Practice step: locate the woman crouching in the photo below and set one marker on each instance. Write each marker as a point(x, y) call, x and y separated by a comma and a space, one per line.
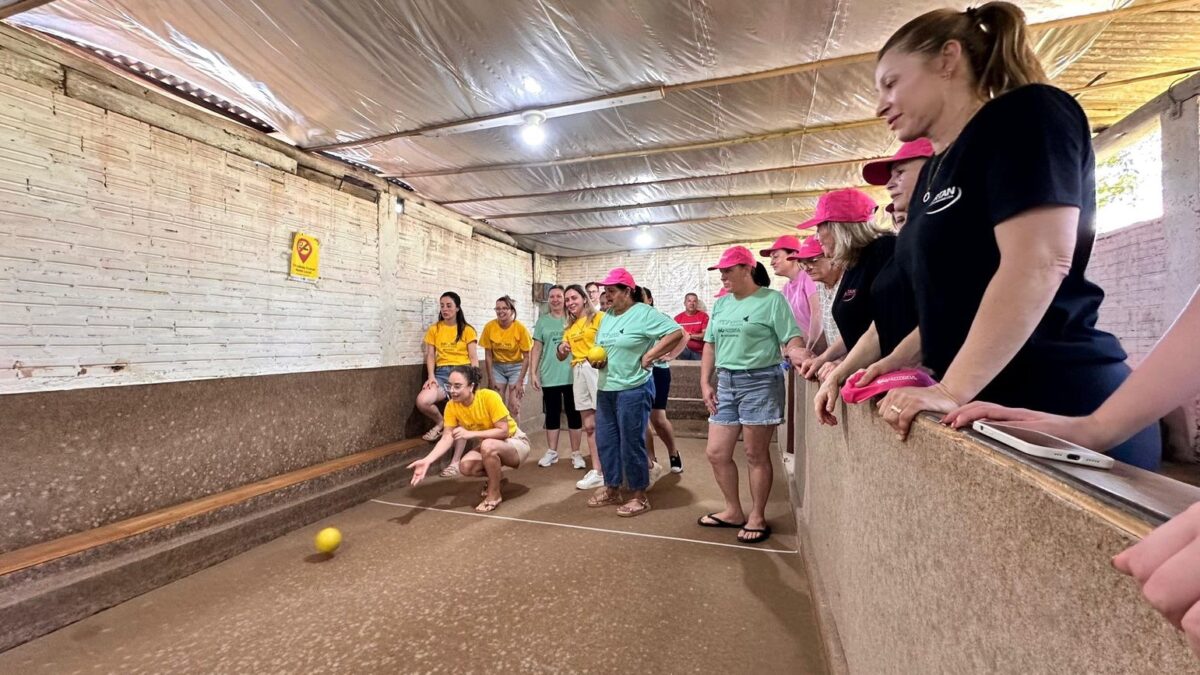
point(478, 419)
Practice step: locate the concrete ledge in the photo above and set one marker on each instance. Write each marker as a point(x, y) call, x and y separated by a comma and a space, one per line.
point(946, 554)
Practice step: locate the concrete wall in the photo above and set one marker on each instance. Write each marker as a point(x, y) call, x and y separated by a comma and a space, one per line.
point(670, 273)
point(1129, 265)
point(132, 252)
point(943, 555)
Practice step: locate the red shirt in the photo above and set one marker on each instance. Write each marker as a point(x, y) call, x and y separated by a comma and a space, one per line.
point(693, 323)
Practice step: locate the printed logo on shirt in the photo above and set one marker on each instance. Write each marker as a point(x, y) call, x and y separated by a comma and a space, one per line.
point(849, 294)
point(944, 199)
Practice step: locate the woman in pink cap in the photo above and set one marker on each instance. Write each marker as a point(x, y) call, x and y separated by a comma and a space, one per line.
point(812, 259)
point(742, 342)
point(892, 342)
point(633, 335)
point(844, 220)
point(800, 290)
point(1001, 227)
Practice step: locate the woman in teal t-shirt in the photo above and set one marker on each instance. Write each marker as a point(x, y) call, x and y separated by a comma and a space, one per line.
point(634, 335)
point(742, 342)
point(553, 378)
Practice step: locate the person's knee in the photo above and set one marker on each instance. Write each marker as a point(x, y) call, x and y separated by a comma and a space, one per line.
point(717, 454)
point(589, 427)
point(470, 467)
point(489, 447)
point(758, 456)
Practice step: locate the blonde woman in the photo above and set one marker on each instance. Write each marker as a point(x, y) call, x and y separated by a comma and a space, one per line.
point(583, 322)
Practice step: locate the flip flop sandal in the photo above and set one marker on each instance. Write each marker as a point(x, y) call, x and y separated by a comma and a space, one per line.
point(765, 534)
point(487, 506)
point(449, 472)
point(597, 502)
point(433, 434)
point(714, 521)
point(639, 507)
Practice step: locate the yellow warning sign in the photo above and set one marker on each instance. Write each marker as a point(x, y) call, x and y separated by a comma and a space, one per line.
point(306, 256)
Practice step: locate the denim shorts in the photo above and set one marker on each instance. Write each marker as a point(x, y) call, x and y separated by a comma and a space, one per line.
point(442, 375)
point(506, 373)
point(750, 397)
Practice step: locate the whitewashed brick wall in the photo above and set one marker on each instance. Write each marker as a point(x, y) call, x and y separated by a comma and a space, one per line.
point(670, 273)
point(130, 254)
point(1129, 265)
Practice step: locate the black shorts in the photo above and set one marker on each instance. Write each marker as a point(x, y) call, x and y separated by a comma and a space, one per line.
point(662, 388)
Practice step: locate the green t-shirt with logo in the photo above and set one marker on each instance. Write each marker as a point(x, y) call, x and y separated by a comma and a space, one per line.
point(747, 333)
point(626, 339)
point(549, 331)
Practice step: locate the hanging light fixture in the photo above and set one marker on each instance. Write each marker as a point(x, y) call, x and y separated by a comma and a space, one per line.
point(644, 238)
point(532, 131)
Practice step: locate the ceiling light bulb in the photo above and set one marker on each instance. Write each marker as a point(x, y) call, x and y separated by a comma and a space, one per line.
point(643, 238)
point(532, 131)
point(531, 86)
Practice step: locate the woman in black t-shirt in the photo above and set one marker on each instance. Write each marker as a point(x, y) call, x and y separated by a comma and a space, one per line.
point(845, 226)
point(1001, 227)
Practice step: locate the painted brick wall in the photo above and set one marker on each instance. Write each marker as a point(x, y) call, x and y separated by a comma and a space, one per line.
point(670, 273)
point(131, 254)
point(1129, 265)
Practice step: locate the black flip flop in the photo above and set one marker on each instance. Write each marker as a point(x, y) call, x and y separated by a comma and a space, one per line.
point(765, 532)
point(717, 522)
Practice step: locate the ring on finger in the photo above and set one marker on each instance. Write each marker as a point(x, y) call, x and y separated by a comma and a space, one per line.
point(895, 409)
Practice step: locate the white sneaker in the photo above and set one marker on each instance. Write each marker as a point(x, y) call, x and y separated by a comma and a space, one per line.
point(549, 458)
point(577, 461)
point(591, 480)
point(656, 471)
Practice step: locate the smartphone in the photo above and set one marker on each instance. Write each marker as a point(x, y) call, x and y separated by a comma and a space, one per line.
point(1043, 445)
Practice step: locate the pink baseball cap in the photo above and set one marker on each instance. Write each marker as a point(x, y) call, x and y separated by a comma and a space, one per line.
point(735, 255)
point(847, 205)
point(723, 291)
point(787, 243)
point(879, 172)
point(620, 276)
point(910, 377)
point(811, 248)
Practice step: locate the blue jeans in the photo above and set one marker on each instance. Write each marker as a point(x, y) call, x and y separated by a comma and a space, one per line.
point(621, 419)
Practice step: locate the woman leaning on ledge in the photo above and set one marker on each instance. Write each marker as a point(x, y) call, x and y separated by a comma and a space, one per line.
point(449, 342)
point(1001, 227)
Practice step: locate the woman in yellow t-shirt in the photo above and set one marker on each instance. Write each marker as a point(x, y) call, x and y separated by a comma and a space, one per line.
point(449, 342)
point(583, 321)
point(477, 417)
point(506, 345)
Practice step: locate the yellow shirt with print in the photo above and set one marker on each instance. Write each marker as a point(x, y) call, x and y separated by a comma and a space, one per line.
point(507, 344)
point(483, 413)
point(582, 337)
point(449, 350)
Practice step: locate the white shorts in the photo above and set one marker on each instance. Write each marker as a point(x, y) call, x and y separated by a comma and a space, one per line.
point(586, 380)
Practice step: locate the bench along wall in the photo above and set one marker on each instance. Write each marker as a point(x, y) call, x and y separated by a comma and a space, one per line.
point(152, 348)
point(945, 555)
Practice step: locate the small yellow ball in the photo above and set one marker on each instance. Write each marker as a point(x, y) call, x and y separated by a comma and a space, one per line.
point(328, 540)
point(596, 355)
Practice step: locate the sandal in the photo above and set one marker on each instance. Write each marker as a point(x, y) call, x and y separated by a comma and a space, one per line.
point(759, 535)
point(604, 498)
point(488, 505)
point(633, 507)
point(450, 471)
point(433, 434)
point(714, 521)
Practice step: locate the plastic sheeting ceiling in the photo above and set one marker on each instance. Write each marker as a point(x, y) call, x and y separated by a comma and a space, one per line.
point(324, 71)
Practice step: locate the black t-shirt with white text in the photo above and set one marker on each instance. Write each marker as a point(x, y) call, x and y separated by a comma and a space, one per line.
point(1029, 148)
point(852, 306)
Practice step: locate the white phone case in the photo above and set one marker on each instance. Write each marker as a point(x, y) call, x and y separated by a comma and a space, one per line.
point(1066, 452)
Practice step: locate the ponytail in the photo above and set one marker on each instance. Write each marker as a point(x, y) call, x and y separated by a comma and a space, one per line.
point(459, 317)
point(638, 294)
point(759, 276)
point(994, 38)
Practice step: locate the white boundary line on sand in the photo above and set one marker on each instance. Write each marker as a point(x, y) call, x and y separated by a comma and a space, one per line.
point(743, 547)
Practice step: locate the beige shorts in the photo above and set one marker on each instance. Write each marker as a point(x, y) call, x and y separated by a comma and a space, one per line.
point(586, 379)
point(520, 443)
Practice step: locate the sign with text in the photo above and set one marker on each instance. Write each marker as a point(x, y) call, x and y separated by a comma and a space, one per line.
point(306, 257)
